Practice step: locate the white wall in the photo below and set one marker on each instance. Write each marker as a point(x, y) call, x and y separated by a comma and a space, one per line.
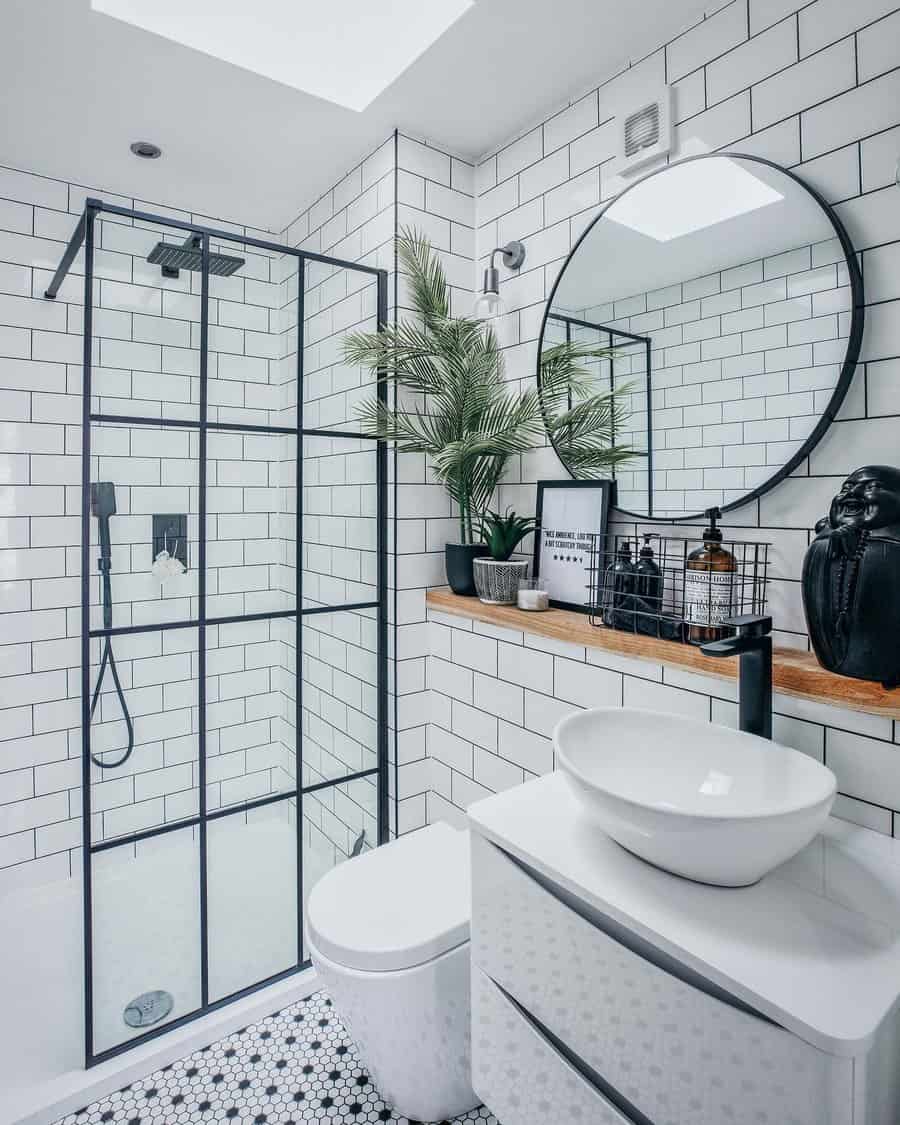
point(815, 88)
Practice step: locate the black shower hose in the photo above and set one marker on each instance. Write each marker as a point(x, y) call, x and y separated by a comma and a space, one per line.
point(108, 660)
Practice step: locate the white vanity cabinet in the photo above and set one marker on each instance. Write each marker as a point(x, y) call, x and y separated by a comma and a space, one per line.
point(605, 990)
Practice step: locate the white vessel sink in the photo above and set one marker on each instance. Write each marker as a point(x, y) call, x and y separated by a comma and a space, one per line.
point(694, 798)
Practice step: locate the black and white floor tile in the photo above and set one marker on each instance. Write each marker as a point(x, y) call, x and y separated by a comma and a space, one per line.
point(298, 1065)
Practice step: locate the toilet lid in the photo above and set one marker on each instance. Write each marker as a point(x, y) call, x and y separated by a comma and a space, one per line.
point(397, 906)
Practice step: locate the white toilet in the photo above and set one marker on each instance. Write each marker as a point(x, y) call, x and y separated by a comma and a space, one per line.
point(388, 934)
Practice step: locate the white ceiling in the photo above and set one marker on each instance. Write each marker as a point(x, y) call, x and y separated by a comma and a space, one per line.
point(78, 87)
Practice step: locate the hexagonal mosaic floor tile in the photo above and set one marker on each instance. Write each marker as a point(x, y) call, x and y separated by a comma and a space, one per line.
point(298, 1065)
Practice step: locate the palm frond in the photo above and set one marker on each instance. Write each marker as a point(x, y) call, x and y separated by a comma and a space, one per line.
point(425, 275)
point(454, 405)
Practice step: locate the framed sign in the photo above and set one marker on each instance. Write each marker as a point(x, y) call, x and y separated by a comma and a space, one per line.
point(569, 513)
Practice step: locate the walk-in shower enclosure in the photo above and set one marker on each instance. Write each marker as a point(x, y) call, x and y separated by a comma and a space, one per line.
point(256, 680)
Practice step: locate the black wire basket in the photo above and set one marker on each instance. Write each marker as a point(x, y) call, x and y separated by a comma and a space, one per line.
point(645, 584)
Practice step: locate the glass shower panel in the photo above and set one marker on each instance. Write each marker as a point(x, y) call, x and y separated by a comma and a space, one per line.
point(252, 348)
point(337, 302)
point(338, 821)
point(251, 711)
point(145, 324)
point(146, 936)
point(211, 685)
point(155, 783)
point(253, 892)
point(339, 695)
point(151, 506)
point(250, 523)
point(340, 521)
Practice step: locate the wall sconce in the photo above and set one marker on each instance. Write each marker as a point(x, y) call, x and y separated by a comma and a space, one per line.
point(488, 305)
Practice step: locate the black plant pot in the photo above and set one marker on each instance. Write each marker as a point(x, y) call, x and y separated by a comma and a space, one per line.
point(459, 558)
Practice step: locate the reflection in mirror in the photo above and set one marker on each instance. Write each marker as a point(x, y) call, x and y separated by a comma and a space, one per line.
point(722, 285)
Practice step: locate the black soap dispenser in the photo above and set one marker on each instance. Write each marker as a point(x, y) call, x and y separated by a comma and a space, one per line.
point(619, 589)
point(648, 577)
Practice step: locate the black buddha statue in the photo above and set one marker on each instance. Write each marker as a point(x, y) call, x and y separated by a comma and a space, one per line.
point(851, 579)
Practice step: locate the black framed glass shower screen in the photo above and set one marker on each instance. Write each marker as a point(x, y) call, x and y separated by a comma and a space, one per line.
point(221, 410)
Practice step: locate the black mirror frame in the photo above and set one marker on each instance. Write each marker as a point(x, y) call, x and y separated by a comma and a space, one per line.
point(851, 357)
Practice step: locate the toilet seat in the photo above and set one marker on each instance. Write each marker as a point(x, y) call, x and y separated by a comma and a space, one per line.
point(396, 907)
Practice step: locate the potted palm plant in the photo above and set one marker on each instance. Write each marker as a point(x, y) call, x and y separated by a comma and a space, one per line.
point(497, 577)
point(452, 403)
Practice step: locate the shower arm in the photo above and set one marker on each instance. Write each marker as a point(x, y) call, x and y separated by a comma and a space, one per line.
point(69, 255)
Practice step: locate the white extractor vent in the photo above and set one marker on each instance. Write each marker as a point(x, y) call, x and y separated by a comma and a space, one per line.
point(645, 133)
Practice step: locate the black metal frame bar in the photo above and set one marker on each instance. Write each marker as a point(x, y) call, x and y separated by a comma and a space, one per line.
point(84, 234)
point(854, 342)
point(647, 344)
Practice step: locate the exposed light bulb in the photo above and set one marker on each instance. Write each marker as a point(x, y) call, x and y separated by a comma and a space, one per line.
point(488, 306)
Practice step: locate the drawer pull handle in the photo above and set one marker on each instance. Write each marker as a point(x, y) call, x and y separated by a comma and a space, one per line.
point(634, 944)
point(597, 1081)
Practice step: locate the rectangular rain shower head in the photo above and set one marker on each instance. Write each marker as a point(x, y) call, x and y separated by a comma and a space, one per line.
point(188, 256)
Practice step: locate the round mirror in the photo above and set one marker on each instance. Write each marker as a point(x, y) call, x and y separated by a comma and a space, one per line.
point(720, 301)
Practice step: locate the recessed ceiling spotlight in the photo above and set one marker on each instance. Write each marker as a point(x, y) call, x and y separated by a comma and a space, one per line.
point(146, 149)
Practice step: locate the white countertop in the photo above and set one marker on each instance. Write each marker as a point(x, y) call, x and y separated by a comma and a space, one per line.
point(815, 945)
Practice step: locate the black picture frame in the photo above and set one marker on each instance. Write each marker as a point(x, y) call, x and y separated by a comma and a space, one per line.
point(606, 492)
point(851, 356)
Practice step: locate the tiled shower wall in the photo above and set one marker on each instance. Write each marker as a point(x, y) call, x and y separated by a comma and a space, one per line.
point(147, 356)
point(358, 220)
point(816, 88)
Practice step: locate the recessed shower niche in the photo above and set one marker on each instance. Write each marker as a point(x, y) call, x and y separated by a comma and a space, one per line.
point(241, 699)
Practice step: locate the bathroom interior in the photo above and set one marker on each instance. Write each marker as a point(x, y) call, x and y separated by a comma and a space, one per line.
point(450, 591)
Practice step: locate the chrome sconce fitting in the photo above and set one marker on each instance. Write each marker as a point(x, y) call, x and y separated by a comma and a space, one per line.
point(488, 305)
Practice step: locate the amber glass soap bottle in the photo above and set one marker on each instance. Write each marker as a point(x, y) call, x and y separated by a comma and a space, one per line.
point(709, 580)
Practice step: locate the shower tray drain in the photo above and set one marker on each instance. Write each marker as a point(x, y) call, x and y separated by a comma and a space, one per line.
point(148, 1008)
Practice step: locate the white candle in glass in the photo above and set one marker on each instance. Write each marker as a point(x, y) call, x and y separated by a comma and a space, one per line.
point(532, 597)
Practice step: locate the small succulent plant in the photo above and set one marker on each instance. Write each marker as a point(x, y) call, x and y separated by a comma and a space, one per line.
point(504, 533)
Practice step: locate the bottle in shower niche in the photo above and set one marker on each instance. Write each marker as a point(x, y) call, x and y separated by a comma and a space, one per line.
point(709, 577)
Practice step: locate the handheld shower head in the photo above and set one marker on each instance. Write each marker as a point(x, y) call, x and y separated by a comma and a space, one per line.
point(103, 499)
point(103, 505)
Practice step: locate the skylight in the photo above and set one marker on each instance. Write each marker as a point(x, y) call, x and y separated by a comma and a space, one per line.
point(694, 195)
point(345, 51)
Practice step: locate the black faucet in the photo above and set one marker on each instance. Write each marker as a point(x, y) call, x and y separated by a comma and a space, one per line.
point(753, 644)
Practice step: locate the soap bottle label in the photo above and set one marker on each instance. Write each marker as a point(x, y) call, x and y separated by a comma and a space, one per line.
point(707, 596)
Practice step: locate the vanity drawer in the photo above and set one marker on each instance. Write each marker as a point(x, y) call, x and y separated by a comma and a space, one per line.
point(670, 1048)
point(520, 1076)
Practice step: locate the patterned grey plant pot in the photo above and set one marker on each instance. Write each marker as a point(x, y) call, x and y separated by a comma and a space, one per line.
point(497, 583)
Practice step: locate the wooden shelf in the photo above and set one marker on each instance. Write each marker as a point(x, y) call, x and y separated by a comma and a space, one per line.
point(794, 673)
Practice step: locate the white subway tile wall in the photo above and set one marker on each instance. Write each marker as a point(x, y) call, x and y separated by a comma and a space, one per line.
point(492, 728)
point(834, 116)
point(837, 124)
point(146, 357)
point(405, 183)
